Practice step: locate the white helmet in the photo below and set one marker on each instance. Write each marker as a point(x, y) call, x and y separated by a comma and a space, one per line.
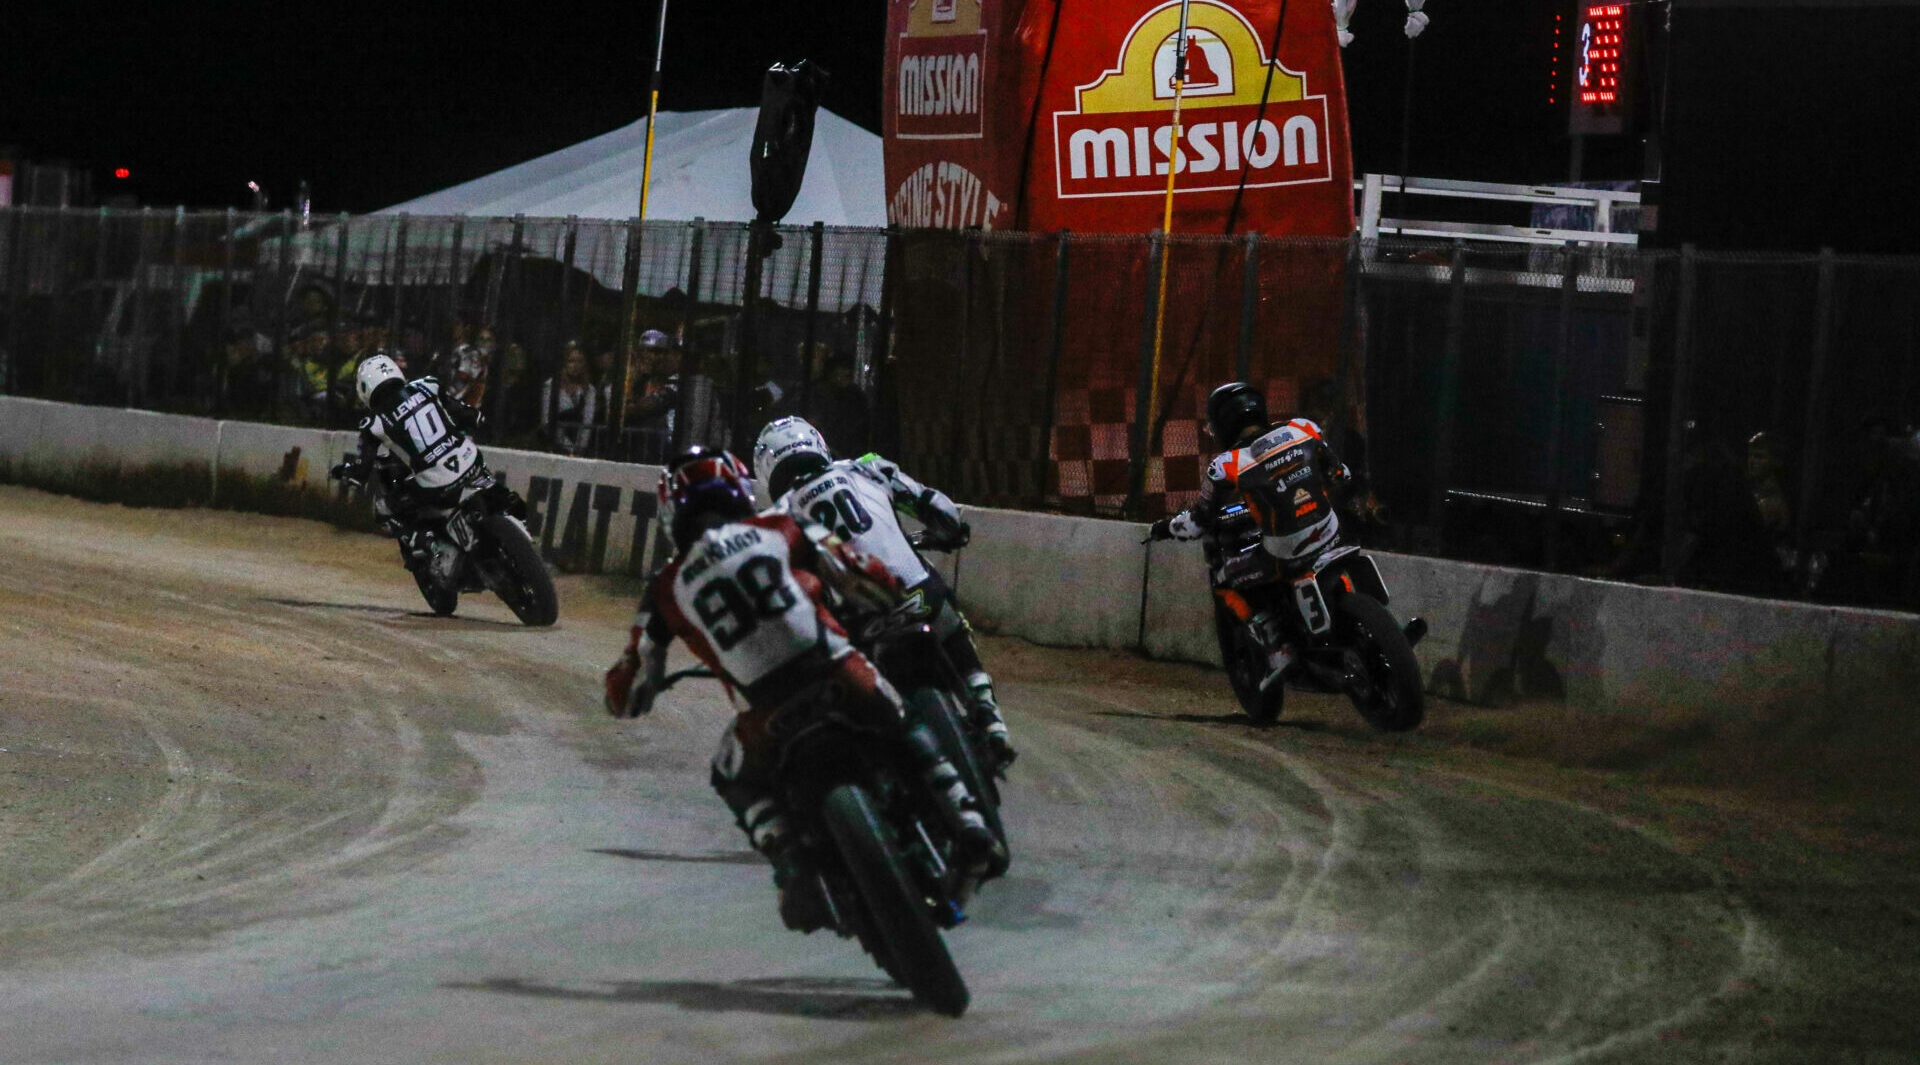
point(784, 439)
point(375, 370)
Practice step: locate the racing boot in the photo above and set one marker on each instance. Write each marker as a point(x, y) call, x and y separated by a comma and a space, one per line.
point(801, 906)
point(979, 850)
point(416, 549)
point(445, 563)
point(1280, 663)
point(987, 712)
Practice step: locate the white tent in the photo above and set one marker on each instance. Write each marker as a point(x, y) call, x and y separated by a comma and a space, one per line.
point(699, 170)
point(583, 196)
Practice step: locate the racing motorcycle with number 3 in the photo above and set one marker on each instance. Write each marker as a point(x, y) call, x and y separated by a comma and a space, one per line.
point(1352, 646)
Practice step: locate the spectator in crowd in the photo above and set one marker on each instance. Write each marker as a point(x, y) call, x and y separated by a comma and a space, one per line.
point(466, 377)
point(649, 399)
point(567, 406)
point(605, 381)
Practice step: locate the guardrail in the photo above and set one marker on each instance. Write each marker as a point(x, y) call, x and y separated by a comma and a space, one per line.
point(1606, 204)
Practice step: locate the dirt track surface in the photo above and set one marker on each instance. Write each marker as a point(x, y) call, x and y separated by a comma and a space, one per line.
point(254, 806)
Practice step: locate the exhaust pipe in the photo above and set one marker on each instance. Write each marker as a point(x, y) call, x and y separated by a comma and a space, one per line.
point(1416, 631)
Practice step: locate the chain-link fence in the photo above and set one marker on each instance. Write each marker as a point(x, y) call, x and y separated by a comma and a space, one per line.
point(1736, 421)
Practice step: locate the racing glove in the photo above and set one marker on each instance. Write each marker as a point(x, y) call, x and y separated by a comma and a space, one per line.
point(631, 689)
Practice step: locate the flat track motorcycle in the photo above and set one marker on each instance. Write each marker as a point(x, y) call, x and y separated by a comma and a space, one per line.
point(1351, 644)
point(490, 545)
point(875, 845)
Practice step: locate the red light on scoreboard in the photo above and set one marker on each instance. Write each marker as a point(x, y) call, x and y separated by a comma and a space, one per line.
point(1601, 64)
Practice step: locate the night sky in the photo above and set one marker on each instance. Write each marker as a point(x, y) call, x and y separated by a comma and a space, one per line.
point(378, 106)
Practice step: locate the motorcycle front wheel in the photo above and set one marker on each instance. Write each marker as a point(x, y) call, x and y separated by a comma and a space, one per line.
point(442, 601)
point(1246, 667)
point(904, 928)
point(1392, 700)
point(525, 586)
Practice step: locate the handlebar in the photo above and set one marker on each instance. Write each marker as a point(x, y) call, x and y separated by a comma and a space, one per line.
point(678, 675)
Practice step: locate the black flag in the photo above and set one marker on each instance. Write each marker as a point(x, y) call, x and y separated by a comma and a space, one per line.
point(784, 136)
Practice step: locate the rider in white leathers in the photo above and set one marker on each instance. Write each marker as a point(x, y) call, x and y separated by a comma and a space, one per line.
point(858, 499)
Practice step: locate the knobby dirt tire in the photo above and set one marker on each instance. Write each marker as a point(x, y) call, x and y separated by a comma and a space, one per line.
point(528, 589)
point(899, 912)
point(442, 601)
point(1246, 668)
point(943, 715)
point(1398, 703)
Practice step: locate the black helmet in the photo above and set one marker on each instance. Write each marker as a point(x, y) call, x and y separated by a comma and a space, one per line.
point(1231, 408)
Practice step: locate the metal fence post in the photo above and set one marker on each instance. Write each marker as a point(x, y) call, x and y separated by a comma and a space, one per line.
point(335, 345)
point(221, 351)
point(886, 381)
point(1816, 409)
point(99, 303)
point(133, 361)
point(397, 282)
point(59, 312)
point(16, 230)
point(629, 311)
point(1556, 425)
point(450, 337)
point(1142, 419)
point(689, 359)
point(1447, 398)
point(816, 246)
point(496, 391)
point(176, 324)
point(550, 403)
point(1249, 307)
point(282, 283)
point(1672, 527)
point(1056, 343)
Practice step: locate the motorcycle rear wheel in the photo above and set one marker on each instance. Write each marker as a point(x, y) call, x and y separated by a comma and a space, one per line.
point(1396, 702)
point(904, 927)
point(528, 587)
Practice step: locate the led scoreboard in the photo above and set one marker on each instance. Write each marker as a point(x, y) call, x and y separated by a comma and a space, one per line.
point(1601, 65)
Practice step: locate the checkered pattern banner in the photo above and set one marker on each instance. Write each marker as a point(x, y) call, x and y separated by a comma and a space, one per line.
point(996, 412)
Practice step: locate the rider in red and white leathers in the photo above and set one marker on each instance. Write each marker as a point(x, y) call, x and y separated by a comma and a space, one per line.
point(747, 594)
point(1285, 474)
point(859, 499)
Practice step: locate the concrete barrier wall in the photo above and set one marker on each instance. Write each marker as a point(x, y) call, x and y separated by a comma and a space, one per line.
point(587, 515)
point(1497, 635)
point(1054, 580)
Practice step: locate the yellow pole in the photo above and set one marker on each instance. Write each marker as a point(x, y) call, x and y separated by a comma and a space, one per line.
point(646, 166)
point(1166, 224)
point(646, 182)
point(653, 110)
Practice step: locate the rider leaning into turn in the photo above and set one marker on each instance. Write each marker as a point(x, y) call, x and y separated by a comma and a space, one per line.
point(1285, 473)
point(858, 500)
point(747, 594)
point(429, 436)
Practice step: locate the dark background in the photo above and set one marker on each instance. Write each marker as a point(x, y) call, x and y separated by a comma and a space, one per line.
point(377, 106)
point(1783, 116)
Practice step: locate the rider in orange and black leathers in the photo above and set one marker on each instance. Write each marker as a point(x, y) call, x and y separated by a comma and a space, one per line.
point(1285, 474)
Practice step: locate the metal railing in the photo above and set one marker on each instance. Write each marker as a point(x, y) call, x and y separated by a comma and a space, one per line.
point(1607, 206)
